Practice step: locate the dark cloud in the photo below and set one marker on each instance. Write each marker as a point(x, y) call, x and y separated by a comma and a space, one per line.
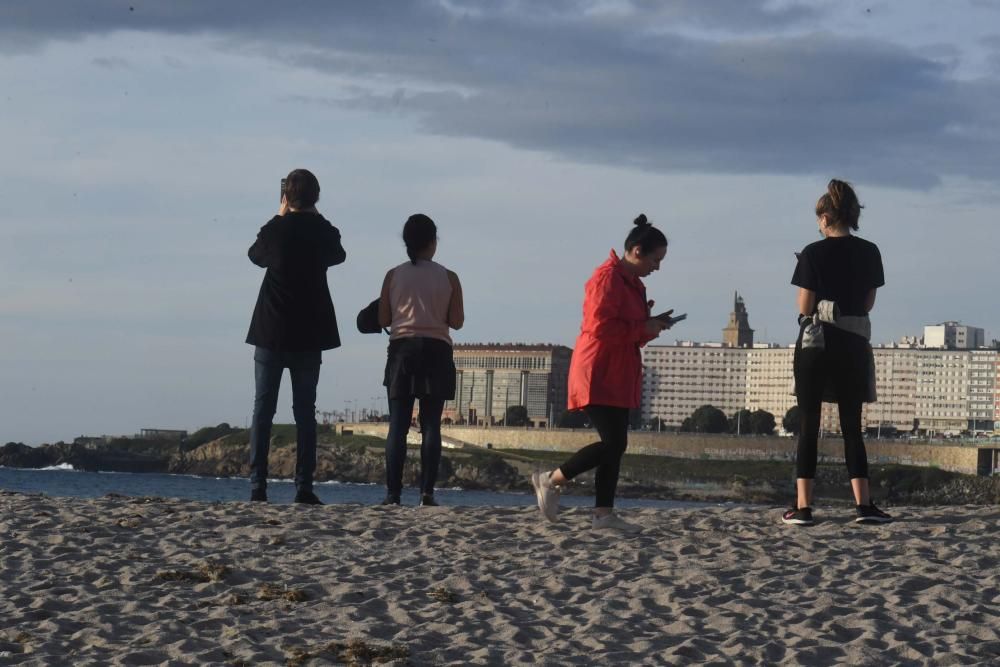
point(660, 86)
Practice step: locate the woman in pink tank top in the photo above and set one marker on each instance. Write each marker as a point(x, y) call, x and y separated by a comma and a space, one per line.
point(420, 301)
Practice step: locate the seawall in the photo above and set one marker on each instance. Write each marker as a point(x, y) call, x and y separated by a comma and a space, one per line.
point(964, 458)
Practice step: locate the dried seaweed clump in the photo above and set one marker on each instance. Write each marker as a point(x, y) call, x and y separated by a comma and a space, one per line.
point(442, 594)
point(202, 573)
point(355, 652)
point(275, 592)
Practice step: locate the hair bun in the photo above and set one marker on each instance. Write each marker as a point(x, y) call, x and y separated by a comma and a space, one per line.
point(641, 221)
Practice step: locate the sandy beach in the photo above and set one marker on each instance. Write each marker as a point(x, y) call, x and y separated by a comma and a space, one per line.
point(137, 581)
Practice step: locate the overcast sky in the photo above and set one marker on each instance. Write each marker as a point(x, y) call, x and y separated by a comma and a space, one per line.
point(144, 143)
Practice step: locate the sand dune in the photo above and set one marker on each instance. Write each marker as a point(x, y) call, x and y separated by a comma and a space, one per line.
point(148, 581)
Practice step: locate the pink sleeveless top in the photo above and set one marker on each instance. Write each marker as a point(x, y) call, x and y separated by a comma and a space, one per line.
point(419, 295)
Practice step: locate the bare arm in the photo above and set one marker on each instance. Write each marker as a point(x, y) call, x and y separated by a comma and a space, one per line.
point(384, 307)
point(806, 301)
point(870, 300)
point(456, 307)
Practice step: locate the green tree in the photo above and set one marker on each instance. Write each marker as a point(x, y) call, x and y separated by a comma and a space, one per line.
point(517, 415)
point(708, 419)
point(740, 422)
point(762, 422)
point(793, 420)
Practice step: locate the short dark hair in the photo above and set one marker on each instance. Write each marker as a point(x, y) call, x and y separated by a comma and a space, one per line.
point(418, 233)
point(839, 204)
point(301, 189)
point(645, 235)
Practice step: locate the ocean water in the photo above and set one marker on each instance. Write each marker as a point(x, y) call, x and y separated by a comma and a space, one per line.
point(64, 481)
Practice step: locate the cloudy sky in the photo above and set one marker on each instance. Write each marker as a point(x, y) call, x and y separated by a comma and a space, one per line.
point(144, 142)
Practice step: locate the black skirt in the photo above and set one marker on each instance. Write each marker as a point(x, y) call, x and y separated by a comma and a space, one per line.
point(420, 367)
point(839, 372)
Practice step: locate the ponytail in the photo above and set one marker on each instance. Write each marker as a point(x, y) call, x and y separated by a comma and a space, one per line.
point(840, 205)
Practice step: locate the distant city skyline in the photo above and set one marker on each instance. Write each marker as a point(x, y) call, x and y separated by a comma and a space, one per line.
point(146, 143)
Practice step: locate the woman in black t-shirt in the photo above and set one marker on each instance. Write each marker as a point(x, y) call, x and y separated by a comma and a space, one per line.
point(833, 359)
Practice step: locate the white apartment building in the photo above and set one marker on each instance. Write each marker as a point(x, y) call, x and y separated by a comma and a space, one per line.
point(942, 391)
point(677, 379)
point(770, 383)
point(942, 394)
point(896, 372)
point(983, 368)
point(996, 394)
point(954, 336)
point(937, 392)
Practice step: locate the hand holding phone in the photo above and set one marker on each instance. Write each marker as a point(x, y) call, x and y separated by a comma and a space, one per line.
point(283, 207)
point(669, 318)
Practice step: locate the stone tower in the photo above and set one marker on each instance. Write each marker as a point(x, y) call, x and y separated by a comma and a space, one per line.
point(738, 332)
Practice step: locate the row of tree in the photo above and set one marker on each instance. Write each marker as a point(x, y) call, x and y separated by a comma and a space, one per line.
point(709, 419)
point(706, 419)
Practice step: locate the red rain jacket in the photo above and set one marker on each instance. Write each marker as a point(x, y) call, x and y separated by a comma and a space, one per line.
point(606, 368)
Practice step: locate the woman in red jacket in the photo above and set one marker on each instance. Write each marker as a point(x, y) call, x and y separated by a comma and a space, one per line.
point(605, 375)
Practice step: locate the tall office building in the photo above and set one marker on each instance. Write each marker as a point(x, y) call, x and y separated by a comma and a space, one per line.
point(492, 377)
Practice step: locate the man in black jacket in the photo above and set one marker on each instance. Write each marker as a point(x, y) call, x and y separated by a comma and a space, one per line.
point(293, 322)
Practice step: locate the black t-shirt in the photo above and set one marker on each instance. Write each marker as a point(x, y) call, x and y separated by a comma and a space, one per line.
point(842, 269)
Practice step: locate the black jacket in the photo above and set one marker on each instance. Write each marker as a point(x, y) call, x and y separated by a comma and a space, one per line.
point(294, 311)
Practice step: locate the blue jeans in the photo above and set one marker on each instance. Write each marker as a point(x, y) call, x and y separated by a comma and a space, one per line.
point(400, 415)
point(304, 369)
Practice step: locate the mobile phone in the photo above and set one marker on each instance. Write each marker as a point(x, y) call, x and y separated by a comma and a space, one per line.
point(670, 319)
point(282, 189)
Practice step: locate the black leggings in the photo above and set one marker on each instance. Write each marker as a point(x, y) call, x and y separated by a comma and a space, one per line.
point(612, 425)
point(842, 366)
point(850, 427)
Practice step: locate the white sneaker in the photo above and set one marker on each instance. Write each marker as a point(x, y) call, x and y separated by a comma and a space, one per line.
point(614, 522)
point(547, 494)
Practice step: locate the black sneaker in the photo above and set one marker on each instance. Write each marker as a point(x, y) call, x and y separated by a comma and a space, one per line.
point(798, 516)
point(391, 500)
point(307, 498)
point(871, 514)
point(258, 495)
point(427, 500)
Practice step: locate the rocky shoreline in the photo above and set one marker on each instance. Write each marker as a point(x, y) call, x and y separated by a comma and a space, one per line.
point(223, 452)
